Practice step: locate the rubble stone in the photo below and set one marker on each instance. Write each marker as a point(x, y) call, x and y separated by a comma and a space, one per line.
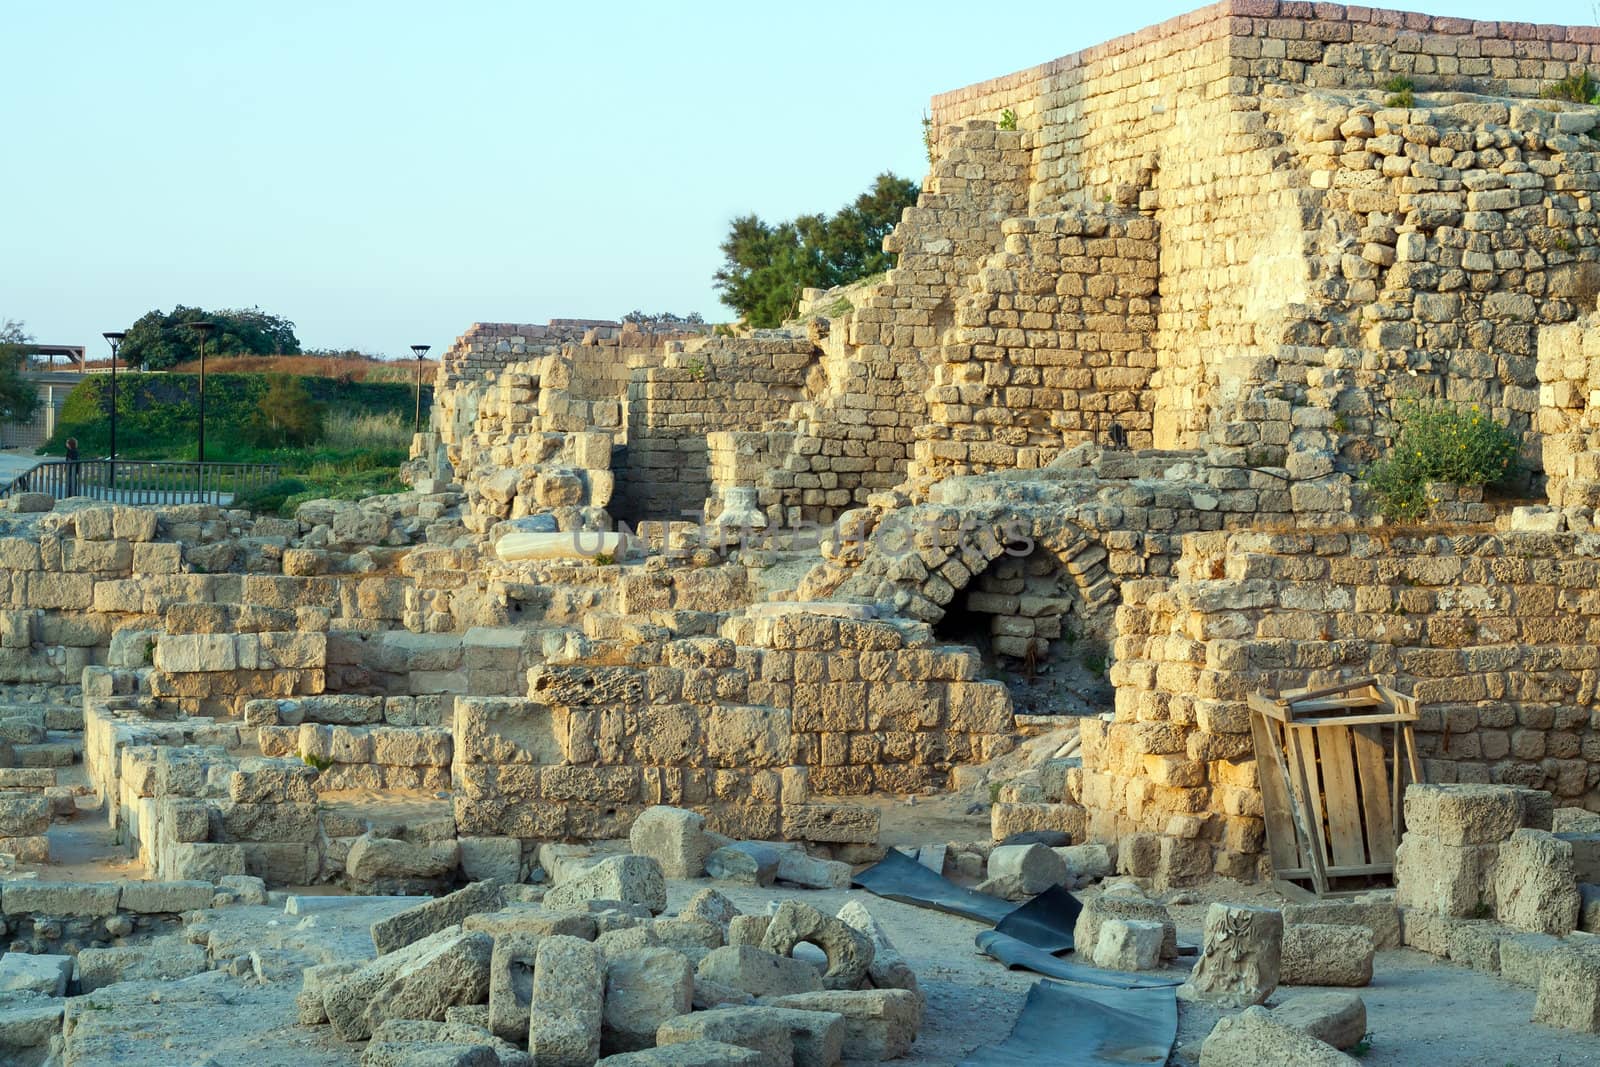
point(1327, 955)
point(1340, 1019)
point(567, 1001)
point(848, 950)
point(643, 989)
point(630, 879)
point(1240, 959)
point(674, 838)
point(1254, 1037)
point(1129, 945)
point(879, 1024)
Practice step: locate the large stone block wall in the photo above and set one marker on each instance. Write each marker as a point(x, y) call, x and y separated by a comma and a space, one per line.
point(765, 728)
point(1495, 635)
point(715, 386)
point(1569, 436)
point(1051, 349)
point(1400, 250)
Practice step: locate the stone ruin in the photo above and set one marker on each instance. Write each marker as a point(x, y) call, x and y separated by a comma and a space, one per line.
point(1025, 520)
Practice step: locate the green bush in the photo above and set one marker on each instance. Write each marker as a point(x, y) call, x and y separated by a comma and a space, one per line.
point(1438, 442)
point(271, 497)
point(1400, 92)
point(1580, 88)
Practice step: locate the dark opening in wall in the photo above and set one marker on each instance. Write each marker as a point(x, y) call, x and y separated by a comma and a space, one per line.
point(1027, 620)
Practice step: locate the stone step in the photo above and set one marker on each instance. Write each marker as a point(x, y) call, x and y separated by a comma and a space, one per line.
point(56, 753)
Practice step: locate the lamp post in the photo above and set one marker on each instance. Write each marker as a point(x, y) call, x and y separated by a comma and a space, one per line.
point(416, 420)
point(204, 329)
point(114, 339)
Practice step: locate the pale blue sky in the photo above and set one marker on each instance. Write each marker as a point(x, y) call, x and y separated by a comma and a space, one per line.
point(388, 172)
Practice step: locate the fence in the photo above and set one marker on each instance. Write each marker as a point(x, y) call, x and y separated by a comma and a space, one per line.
point(134, 481)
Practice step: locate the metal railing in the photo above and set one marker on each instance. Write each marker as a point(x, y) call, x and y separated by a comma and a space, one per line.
point(140, 481)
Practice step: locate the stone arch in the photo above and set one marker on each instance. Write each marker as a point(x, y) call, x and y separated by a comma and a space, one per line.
point(1030, 588)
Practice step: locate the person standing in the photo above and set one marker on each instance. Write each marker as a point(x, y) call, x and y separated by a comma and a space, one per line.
point(72, 466)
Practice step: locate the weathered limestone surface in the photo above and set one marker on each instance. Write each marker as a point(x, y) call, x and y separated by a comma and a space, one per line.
point(1240, 960)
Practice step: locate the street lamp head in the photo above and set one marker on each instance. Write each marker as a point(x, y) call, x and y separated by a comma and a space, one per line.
point(420, 350)
point(115, 337)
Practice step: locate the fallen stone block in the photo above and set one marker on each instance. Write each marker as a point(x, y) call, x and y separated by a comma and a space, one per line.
point(795, 867)
point(675, 838)
point(314, 984)
point(689, 1054)
point(1376, 911)
point(1475, 943)
point(709, 994)
point(745, 863)
point(28, 1021)
point(428, 1054)
point(758, 972)
point(629, 879)
point(643, 989)
point(1253, 1038)
point(1340, 1019)
point(396, 1036)
point(1087, 863)
point(413, 924)
point(511, 984)
point(748, 929)
point(755, 1028)
point(889, 969)
point(533, 920)
point(166, 959)
point(567, 1002)
point(1324, 954)
point(1589, 908)
point(1129, 945)
point(21, 972)
point(1535, 887)
point(389, 864)
point(417, 982)
point(848, 950)
point(710, 905)
point(1086, 931)
point(879, 1024)
point(204, 861)
point(1026, 869)
point(1569, 989)
point(1239, 961)
point(692, 937)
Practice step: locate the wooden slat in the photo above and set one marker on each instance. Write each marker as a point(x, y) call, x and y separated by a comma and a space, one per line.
point(1303, 768)
point(1360, 870)
point(1350, 720)
point(1377, 817)
point(1283, 842)
point(1343, 806)
point(1295, 696)
point(1411, 754)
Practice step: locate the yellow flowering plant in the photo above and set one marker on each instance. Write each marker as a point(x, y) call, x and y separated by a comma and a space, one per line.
point(1438, 442)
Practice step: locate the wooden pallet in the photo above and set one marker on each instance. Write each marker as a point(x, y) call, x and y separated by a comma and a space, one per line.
point(1333, 764)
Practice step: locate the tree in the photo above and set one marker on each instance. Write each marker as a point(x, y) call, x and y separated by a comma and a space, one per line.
point(663, 318)
point(286, 416)
point(159, 340)
point(19, 398)
point(766, 266)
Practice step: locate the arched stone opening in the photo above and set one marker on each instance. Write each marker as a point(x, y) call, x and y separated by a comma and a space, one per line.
point(1026, 615)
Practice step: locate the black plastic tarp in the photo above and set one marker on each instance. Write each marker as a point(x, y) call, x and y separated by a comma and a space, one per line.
point(1082, 1027)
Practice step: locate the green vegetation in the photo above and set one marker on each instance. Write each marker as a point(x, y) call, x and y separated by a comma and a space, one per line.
point(162, 339)
point(19, 398)
point(1438, 442)
point(1008, 119)
point(767, 265)
point(1580, 88)
point(928, 136)
point(664, 318)
point(331, 437)
point(1400, 89)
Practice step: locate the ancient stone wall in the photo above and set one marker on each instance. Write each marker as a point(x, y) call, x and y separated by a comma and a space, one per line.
point(1495, 635)
point(1051, 349)
point(1401, 250)
point(1569, 438)
point(714, 386)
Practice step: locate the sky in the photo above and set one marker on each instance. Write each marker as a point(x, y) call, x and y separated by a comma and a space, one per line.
point(386, 173)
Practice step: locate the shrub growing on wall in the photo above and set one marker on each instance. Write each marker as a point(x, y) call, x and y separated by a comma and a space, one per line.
point(1438, 443)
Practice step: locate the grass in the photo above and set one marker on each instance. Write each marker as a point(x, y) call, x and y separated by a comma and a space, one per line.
point(366, 429)
point(1401, 92)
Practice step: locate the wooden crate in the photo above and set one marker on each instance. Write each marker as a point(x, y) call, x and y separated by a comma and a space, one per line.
point(1333, 764)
